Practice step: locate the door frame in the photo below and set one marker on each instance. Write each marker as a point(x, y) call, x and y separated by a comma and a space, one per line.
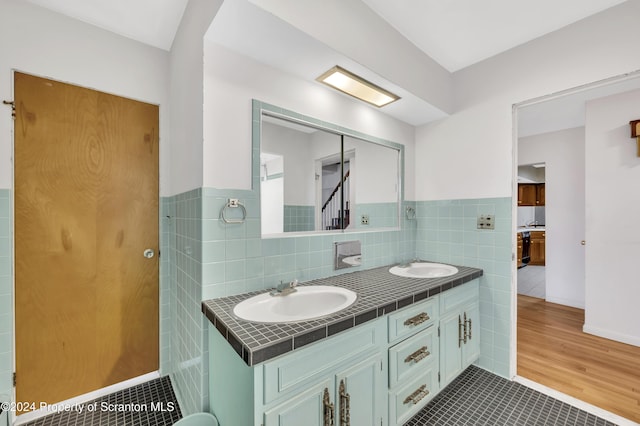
point(163, 284)
point(513, 358)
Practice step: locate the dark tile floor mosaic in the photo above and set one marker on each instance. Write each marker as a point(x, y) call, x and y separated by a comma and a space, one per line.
point(147, 404)
point(478, 398)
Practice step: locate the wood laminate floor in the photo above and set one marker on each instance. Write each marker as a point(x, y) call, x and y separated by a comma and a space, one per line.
point(553, 351)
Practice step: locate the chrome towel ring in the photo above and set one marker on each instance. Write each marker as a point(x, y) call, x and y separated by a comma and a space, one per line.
point(233, 203)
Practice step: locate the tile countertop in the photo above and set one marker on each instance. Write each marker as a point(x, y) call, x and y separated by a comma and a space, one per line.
point(379, 292)
point(530, 229)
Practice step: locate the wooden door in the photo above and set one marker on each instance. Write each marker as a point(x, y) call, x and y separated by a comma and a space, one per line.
point(86, 208)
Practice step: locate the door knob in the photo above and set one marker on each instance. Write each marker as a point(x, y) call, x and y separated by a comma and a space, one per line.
point(148, 253)
point(583, 242)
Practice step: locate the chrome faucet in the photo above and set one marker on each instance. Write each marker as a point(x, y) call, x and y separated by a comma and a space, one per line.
point(532, 223)
point(285, 288)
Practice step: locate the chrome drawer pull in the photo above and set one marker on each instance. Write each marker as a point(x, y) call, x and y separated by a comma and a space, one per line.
point(418, 319)
point(345, 406)
point(415, 397)
point(327, 409)
point(418, 355)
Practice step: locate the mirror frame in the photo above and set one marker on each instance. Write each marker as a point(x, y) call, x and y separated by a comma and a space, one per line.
point(259, 107)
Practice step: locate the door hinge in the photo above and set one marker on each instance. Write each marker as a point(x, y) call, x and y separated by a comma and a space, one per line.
point(438, 377)
point(14, 379)
point(438, 331)
point(13, 108)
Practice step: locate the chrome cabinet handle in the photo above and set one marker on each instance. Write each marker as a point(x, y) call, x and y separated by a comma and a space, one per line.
point(148, 253)
point(416, 396)
point(418, 319)
point(345, 405)
point(328, 408)
point(418, 355)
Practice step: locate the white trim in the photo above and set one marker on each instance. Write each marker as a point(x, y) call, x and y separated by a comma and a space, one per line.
point(566, 302)
point(592, 409)
point(36, 414)
point(611, 335)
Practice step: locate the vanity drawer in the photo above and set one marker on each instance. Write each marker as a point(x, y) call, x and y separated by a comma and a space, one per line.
point(309, 365)
point(414, 318)
point(455, 298)
point(410, 357)
point(407, 400)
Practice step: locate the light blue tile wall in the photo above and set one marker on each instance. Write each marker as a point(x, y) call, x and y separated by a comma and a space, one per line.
point(188, 339)
point(235, 259)
point(299, 218)
point(447, 232)
point(381, 215)
point(6, 295)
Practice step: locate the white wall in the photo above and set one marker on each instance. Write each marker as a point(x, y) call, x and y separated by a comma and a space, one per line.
point(232, 81)
point(36, 41)
point(299, 165)
point(377, 171)
point(613, 210)
point(469, 155)
point(186, 91)
point(564, 155)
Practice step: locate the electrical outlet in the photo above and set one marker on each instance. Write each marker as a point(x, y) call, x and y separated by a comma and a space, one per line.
point(364, 219)
point(486, 221)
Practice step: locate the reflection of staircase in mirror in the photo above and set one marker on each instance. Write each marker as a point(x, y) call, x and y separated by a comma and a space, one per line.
point(333, 216)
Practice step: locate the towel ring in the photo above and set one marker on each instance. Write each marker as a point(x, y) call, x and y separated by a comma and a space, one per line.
point(233, 203)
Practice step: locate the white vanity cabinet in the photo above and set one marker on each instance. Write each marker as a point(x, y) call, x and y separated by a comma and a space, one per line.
point(459, 330)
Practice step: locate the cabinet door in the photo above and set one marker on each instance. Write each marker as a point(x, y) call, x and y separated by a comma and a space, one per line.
point(526, 194)
point(306, 408)
point(471, 349)
point(540, 194)
point(450, 347)
point(537, 248)
point(519, 249)
point(360, 399)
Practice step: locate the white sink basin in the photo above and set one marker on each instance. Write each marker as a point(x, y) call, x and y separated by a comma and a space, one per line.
point(424, 270)
point(306, 303)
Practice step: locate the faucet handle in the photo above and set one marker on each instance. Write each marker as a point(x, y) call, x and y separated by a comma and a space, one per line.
point(294, 283)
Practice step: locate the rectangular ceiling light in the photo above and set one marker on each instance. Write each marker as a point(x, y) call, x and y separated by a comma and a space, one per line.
point(358, 87)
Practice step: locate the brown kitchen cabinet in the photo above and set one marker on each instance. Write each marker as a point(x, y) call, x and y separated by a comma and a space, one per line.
point(531, 194)
point(537, 248)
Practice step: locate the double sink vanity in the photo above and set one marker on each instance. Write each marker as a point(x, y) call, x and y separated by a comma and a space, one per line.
point(363, 348)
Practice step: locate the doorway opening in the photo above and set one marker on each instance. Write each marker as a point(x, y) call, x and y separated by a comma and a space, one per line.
point(557, 347)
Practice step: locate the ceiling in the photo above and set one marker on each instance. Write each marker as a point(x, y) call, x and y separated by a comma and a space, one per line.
point(455, 33)
point(459, 33)
point(152, 22)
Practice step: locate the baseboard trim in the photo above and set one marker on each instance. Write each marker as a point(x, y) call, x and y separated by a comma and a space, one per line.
point(565, 302)
point(611, 335)
point(36, 414)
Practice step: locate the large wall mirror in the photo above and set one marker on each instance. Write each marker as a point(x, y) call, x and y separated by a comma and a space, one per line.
point(318, 177)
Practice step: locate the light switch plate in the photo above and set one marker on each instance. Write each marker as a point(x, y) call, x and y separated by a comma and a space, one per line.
point(486, 221)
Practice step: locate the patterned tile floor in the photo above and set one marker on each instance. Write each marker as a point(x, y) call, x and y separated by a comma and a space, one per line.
point(478, 398)
point(146, 404)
